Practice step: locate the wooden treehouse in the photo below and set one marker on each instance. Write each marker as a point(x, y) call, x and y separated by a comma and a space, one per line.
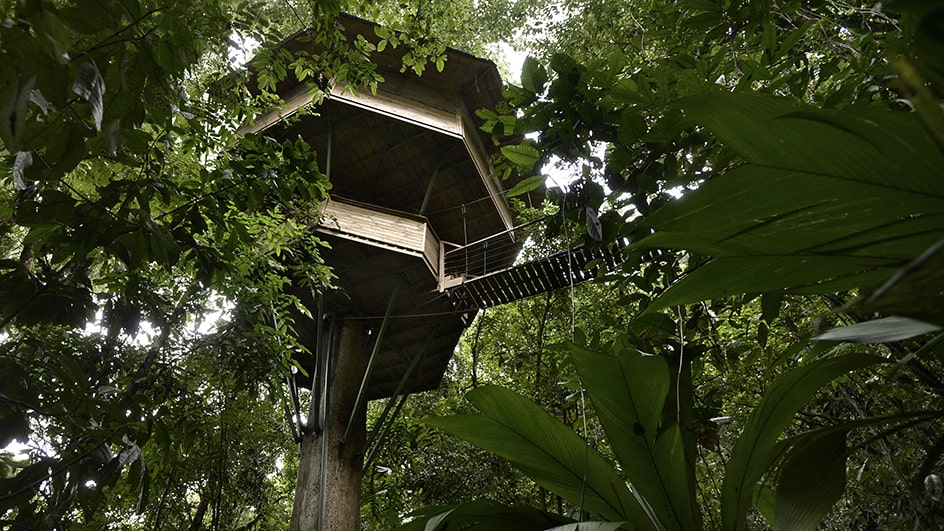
point(421, 237)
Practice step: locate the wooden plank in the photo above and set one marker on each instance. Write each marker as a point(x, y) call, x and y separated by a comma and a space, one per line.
point(515, 279)
point(471, 301)
point(472, 289)
point(492, 291)
point(552, 272)
point(527, 275)
point(515, 288)
point(459, 298)
point(480, 157)
point(533, 278)
point(548, 274)
point(382, 228)
point(522, 282)
point(505, 285)
point(562, 269)
point(518, 278)
point(376, 225)
point(431, 247)
point(580, 257)
point(498, 291)
point(481, 294)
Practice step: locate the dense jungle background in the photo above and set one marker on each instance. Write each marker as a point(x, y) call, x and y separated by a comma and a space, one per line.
point(768, 354)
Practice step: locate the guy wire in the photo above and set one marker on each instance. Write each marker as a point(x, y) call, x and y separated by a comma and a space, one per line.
point(573, 337)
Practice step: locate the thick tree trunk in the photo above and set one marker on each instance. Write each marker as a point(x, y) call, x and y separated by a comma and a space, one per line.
point(327, 492)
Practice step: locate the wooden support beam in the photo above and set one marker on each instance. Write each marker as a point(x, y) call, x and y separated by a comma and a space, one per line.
point(378, 342)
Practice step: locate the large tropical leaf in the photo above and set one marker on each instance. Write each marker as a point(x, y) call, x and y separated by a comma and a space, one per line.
point(862, 146)
point(812, 474)
point(825, 201)
point(812, 479)
point(523, 155)
point(879, 331)
point(732, 275)
point(589, 526)
point(755, 449)
point(547, 451)
point(916, 290)
point(483, 516)
point(628, 389)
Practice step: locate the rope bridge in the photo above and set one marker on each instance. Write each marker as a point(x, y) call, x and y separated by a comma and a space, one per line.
point(471, 279)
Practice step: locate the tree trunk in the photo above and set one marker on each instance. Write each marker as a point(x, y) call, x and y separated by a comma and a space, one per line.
point(197, 522)
point(327, 492)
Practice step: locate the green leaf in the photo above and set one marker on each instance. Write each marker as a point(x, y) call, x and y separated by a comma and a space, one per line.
point(589, 526)
point(916, 290)
point(755, 210)
point(878, 200)
point(792, 39)
point(23, 160)
point(864, 146)
point(14, 424)
point(656, 323)
point(545, 450)
point(754, 451)
point(735, 275)
point(524, 156)
point(58, 37)
point(594, 228)
point(812, 479)
point(163, 247)
point(765, 500)
point(65, 150)
point(113, 469)
point(632, 127)
point(563, 64)
point(90, 499)
point(883, 330)
point(91, 17)
point(483, 515)
point(531, 183)
point(14, 97)
point(139, 478)
point(770, 303)
point(90, 86)
point(533, 76)
point(628, 389)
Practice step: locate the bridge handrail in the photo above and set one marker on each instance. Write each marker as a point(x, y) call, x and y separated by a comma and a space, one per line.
point(457, 258)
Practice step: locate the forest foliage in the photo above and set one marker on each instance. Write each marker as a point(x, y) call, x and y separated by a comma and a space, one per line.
point(794, 162)
point(767, 354)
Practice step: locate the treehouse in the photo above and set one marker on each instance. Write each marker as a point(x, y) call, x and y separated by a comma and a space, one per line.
point(422, 236)
point(412, 186)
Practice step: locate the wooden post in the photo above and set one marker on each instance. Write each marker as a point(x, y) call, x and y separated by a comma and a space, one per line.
point(328, 489)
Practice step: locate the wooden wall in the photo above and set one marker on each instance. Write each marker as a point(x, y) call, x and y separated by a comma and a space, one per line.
point(384, 228)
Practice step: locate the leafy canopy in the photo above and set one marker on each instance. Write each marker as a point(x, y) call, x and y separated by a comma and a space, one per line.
point(784, 150)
